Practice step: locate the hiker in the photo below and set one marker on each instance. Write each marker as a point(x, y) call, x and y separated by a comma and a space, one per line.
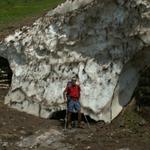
point(72, 96)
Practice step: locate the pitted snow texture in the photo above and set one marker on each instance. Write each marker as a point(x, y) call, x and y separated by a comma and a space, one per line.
point(101, 41)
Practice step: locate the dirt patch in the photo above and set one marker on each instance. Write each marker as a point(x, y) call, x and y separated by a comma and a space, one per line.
point(125, 133)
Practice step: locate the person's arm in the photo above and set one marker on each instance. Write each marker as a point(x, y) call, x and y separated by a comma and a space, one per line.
point(64, 95)
point(79, 92)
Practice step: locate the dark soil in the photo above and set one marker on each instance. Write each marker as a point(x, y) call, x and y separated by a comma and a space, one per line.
point(129, 131)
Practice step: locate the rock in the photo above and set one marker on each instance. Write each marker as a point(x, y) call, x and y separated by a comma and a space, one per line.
point(49, 139)
point(26, 133)
point(88, 147)
point(142, 122)
point(3, 123)
point(124, 149)
point(122, 124)
point(105, 42)
point(5, 144)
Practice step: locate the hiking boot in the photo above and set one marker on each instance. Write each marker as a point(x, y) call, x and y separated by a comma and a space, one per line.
point(81, 126)
point(69, 126)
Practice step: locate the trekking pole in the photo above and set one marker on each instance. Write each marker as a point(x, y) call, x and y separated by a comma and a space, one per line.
point(65, 127)
point(86, 120)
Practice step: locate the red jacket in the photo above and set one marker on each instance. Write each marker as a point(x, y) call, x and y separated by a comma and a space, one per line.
point(73, 91)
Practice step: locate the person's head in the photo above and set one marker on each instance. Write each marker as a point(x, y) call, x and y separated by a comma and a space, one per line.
point(74, 79)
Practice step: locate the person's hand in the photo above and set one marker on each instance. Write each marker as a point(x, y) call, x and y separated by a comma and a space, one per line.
point(65, 100)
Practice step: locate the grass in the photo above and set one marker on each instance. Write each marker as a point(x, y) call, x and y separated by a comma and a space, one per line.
point(13, 12)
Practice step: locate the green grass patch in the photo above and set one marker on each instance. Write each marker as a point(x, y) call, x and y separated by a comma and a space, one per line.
point(15, 11)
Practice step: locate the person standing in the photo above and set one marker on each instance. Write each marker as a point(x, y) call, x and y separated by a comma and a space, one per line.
point(71, 95)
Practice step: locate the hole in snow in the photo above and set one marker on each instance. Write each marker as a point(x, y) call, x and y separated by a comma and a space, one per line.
point(142, 93)
point(60, 115)
point(5, 77)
